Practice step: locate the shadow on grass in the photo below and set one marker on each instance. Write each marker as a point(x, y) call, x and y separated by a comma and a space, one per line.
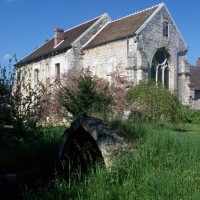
point(28, 160)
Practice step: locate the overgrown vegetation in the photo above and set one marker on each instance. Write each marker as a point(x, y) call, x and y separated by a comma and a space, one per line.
point(191, 116)
point(21, 104)
point(7, 76)
point(164, 162)
point(153, 102)
point(85, 94)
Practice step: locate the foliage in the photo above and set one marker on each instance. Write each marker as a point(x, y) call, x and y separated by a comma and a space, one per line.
point(153, 102)
point(84, 93)
point(118, 87)
point(6, 81)
point(21, 103)
point(129, 128)
point(191, 116)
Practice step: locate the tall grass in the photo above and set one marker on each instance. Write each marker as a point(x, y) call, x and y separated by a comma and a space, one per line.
point(129, 129)
point(166, 166)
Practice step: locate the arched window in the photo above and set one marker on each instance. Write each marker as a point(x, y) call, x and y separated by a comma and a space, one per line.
point(160, 71)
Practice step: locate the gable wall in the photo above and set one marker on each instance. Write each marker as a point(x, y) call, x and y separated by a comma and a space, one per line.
point(151, 38)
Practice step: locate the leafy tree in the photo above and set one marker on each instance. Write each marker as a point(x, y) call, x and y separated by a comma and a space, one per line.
point(151, 101)
point(21, 105)
point(7, 75)
point(26, 104)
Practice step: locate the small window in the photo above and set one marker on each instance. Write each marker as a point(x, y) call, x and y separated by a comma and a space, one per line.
point(57, 71)
point(36, 73)
point(165, 28)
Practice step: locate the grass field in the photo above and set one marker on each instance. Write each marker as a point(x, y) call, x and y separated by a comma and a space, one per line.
point(165, 164)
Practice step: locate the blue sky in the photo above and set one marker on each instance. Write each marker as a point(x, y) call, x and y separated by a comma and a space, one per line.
point(26, 24)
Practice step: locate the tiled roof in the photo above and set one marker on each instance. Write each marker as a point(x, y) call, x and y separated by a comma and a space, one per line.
point(122, 28)
point(195, 77)
point(48, 48)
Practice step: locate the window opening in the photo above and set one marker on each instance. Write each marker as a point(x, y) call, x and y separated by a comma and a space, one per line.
point(165, 28)
point(57, 70)
point(160, 71)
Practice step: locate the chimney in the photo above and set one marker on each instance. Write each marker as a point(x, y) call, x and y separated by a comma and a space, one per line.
point(58, 36)
point(198, 62)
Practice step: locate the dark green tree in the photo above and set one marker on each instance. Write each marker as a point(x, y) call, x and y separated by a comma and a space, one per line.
point(86, 94)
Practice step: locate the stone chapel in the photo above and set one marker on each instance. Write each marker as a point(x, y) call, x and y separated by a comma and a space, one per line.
point(144, 45)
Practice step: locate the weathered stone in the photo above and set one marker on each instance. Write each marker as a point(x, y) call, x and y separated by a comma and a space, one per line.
point(87, 141)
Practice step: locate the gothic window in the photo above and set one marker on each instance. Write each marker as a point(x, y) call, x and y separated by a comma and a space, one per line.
point(165, 28)
point(160, 71)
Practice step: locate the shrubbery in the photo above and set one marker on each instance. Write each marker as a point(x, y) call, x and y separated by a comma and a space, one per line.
point(83, 92)
point(152, 102)
point(21, 105)
point(191, 116)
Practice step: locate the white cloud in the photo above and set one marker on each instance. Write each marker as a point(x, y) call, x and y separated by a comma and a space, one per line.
point(7, 57)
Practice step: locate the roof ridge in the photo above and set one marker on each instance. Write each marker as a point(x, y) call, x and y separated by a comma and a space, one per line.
point(137, 12)
point(83, 23)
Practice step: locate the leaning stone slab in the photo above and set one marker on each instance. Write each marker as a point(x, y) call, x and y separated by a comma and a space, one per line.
point(89, 134)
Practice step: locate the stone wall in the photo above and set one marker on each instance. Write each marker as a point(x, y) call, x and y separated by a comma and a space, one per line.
point(105, 59)
point(195, 104)
point(46, 67)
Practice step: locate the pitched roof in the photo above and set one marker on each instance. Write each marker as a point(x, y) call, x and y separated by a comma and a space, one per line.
point(195, 77)
point(48, 47)
point(122, 28)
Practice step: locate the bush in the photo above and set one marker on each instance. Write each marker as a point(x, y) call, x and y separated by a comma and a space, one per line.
point(86, 94)
point(154, 103)
point(191, 116)
point(21, 105)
